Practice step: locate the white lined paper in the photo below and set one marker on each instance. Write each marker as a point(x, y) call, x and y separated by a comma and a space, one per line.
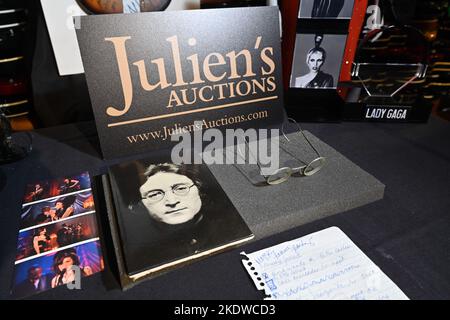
point(322, 265)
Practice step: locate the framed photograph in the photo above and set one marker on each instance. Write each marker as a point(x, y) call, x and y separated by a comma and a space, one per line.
point(326, 9)
point(317, 61)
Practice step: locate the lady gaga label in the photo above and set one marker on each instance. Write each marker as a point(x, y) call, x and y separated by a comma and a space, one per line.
point(387, 112)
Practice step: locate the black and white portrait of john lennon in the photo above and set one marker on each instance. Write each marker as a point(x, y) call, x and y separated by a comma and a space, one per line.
point(170, 211)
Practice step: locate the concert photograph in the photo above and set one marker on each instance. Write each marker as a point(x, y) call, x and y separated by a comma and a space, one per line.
point(55, 269)
point(52, 188)
point(57, 209)
point(57, 235)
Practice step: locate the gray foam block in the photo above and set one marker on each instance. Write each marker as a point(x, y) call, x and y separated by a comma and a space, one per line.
point(339, 186)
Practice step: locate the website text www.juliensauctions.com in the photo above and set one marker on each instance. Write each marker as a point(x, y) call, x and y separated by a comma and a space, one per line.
point(177, 129)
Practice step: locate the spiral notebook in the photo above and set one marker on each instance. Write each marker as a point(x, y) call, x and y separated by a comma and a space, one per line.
point(325, 265)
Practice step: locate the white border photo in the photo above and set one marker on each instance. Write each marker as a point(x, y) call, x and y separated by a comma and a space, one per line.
point(317, 61)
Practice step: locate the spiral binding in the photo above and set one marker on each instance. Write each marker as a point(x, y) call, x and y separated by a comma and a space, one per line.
point(255, 276)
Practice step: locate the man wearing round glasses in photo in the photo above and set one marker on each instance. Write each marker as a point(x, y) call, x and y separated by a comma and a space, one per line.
point(169, 212)
point(171, 193)
point(173, 212)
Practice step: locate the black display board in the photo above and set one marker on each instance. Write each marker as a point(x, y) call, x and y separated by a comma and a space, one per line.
point(151, 75)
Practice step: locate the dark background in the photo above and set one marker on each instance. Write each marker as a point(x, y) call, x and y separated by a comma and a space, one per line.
point(406, 234)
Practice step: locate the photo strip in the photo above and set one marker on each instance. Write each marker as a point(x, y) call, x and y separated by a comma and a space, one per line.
point(317, 61)
point(325, 9)
point(58, 231)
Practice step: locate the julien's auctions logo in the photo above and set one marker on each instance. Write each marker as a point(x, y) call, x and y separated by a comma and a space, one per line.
point(219, 76)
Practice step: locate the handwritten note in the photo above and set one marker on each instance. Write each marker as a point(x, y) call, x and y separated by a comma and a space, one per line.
point(322, 265)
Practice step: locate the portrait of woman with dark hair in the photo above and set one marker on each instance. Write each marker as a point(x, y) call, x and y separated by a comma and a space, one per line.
point(41, 240)
point(315, 78)
point(65, 207)
point(63, 263)
point(178, 211)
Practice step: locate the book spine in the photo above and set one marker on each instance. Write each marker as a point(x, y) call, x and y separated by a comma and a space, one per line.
point(125, 281)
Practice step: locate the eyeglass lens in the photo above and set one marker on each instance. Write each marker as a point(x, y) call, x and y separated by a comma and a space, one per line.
point(158, 195)
point(280, 176)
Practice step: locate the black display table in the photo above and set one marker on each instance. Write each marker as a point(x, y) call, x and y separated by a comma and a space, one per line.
point(406, 233)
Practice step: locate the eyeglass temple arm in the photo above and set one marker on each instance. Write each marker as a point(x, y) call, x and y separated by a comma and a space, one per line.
point(249, 151)
point(295, 157)
point(301, 132)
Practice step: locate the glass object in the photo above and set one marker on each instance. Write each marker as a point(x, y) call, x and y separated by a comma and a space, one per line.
point(308, 168)
point(388, 61)
point(282, 174)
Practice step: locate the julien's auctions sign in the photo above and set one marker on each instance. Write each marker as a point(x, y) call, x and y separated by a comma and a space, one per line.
point(152, 75)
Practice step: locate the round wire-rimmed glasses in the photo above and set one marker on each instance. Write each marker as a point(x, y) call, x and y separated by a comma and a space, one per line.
point(180, 189)
point(308, 168)
point(278, 176)
point(281, 175)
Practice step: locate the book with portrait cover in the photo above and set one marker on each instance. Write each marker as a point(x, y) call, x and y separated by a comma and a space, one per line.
point(164, 215)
